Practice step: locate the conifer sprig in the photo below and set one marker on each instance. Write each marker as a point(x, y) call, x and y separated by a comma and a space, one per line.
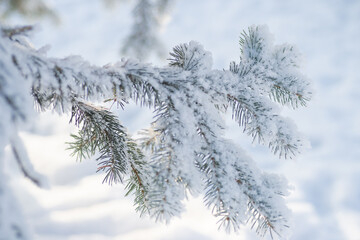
point(101, 132)
point(270, 67)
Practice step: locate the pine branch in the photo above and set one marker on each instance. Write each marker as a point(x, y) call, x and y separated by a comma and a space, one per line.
point(166, 184)
point(252, 44)
point(100, 131)
point(264, 125)
point(248, 201)
point(265, 71)
point(190, 57)
point(264, 213)
point(165, 192)
point(283, 96)
point(215, 194)
point(276, 69)
point(185, 149)
point(253, 203)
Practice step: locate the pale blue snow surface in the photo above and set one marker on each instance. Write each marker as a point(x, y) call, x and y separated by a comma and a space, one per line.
point(326, 196)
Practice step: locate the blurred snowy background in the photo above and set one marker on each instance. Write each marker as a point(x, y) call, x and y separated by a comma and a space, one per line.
point(326, 197)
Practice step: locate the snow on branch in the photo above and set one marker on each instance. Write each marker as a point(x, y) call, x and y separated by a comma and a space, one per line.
point(184, 151)
point(272, 70)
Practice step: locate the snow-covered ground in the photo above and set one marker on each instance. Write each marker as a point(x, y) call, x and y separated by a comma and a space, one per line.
point(326, 197)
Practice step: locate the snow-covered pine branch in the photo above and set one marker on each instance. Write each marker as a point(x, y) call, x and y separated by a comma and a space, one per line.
point(184, 151)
